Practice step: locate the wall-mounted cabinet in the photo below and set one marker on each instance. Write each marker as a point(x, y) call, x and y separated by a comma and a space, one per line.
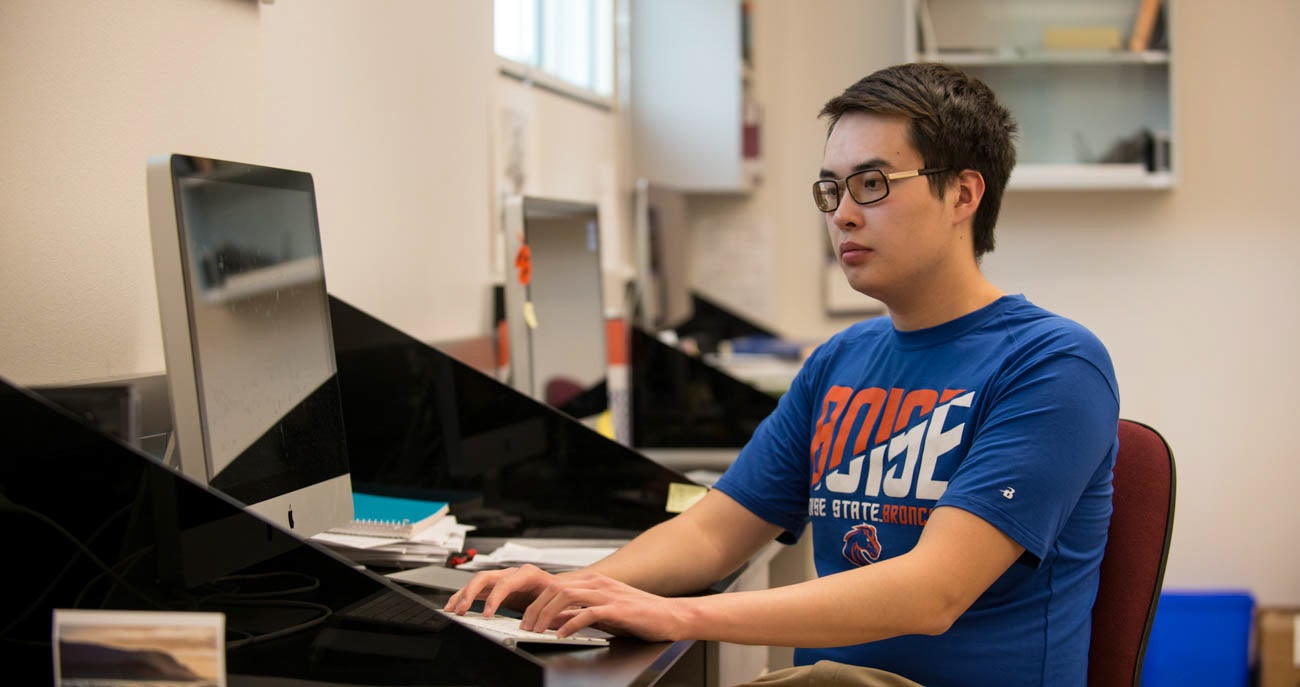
point(1094, 111)
point(693, 117)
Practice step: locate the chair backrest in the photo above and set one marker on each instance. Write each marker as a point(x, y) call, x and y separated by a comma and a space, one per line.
point(1133, 565)
point(561, 390)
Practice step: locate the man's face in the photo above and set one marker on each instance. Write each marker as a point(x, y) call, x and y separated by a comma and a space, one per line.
point(892, 248)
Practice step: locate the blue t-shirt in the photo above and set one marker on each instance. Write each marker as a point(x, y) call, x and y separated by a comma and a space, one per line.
point(1009, 412)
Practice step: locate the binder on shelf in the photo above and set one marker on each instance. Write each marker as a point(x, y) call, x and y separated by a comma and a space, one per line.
point(1144, 25)
point(391, 516)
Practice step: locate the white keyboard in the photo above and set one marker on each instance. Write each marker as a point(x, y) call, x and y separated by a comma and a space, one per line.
point(507, 630)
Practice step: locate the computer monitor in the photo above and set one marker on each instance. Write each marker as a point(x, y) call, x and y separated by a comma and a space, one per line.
point(554, 300)
point(663, 257)
point(246, 334)
point(111, 407)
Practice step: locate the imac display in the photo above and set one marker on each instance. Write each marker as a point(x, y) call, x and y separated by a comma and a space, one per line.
point(246, 332)
point(555, 307)
point(663, 249)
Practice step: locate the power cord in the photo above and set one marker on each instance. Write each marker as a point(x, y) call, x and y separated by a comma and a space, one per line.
point(266, 599)
point(310, 584)
point(257, 599)
point(8, 505)
point(325, 613)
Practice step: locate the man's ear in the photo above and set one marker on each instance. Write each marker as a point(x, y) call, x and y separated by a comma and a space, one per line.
point(969, 187)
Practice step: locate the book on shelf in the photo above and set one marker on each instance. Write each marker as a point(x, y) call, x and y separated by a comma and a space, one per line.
point(1144, 25)
point(391, 516)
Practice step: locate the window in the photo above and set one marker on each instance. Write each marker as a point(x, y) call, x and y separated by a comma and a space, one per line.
point(570, 40)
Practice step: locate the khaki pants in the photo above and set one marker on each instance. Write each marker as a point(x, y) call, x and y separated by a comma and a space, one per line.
point(830, 674)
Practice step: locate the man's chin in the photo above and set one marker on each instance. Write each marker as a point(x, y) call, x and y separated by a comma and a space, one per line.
point(866, 288)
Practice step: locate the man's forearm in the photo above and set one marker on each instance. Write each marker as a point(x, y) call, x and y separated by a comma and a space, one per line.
point(691, 551)
point(669, 559)
point(850, 608)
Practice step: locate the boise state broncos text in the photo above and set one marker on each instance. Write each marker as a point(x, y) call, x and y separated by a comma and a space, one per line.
point(899, 438)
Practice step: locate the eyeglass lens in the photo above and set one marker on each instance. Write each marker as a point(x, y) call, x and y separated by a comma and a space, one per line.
point(867, 186)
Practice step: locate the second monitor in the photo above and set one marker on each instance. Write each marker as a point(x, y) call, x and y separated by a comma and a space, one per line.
point(555, 305)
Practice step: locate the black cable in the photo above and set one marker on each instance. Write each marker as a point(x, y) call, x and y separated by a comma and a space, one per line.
point(312, 584)
point(235, 599)
point(267, 599)
point(6, 504)
point(326, 612)
point(123, 566)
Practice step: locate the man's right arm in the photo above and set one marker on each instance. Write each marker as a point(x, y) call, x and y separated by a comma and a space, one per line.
point(691, 551)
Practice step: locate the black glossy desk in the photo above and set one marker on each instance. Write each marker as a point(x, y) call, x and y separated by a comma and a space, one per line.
point(162, 534)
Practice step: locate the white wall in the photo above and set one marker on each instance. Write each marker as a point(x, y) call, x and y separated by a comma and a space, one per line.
point(88, 91)
point(386, 103)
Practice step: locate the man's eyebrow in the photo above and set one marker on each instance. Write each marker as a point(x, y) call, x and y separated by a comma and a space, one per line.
point(873, 163)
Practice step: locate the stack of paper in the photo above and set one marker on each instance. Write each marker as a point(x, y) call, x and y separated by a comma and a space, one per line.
point(430, 546)
point(552, 559)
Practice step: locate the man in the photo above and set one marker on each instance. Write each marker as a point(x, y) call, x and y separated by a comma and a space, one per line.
point(954, 459)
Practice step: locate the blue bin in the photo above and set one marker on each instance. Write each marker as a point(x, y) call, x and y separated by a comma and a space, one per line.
point(1200, 638)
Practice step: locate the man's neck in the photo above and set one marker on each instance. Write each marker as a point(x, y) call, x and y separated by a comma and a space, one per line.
point(943, 302)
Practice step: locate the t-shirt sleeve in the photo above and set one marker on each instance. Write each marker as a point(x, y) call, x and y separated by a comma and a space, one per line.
point(770, 476)
point(1051, 428)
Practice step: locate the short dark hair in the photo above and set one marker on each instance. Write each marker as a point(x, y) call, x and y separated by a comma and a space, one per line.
point(956, 122)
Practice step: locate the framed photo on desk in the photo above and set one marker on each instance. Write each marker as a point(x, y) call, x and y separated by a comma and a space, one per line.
point(102, 647)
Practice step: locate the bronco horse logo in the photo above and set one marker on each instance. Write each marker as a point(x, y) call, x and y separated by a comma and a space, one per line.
point(861, 546)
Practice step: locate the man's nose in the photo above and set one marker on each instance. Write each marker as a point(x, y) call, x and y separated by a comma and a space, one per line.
point(848, 214)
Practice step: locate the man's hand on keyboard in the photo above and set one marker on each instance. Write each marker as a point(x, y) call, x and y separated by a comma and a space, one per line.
point(511, 587)
point(586, 599)
point(570, 601)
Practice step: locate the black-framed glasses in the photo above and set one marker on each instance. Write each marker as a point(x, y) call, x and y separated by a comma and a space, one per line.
point(865, 187)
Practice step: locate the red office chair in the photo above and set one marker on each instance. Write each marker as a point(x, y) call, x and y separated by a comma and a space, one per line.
point(561, 390)
point(1133, 565)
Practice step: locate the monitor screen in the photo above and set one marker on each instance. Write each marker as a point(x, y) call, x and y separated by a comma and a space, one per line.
point(663, 254)
point(246, 334)
point(555, 307)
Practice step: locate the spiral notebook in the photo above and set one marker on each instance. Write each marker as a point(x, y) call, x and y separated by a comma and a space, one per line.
point(391, 516)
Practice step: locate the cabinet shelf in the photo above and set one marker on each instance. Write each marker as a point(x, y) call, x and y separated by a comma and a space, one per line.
point(1034, 58)
point(1074, 107)
point(691, 102)
point(1098, 177)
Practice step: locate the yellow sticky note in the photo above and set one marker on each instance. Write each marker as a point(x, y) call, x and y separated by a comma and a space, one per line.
point(530, 315)
point(683, 496)
point(605, 424)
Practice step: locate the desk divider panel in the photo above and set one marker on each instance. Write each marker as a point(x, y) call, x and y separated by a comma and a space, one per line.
point(91, 522)
point(421, 423)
